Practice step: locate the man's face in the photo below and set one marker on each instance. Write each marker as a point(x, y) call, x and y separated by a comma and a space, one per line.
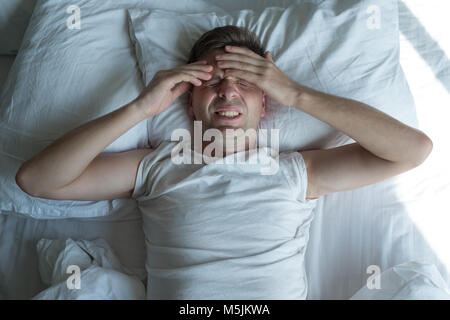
point(226, 102)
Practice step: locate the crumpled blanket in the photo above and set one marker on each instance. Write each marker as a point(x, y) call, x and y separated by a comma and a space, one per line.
point(101, 276)
point(413, 280)
point(84, 270)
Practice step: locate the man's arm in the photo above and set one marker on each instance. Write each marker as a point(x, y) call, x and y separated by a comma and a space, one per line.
point(71, 167)
point(374, 130)
point(385, 147)
point(377, 132)
point(109, 176)
point(67, 158)
point(347, 167)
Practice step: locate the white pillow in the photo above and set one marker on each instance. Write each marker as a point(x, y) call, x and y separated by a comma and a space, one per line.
point(62, 78)
point(14, 18)
point(332, 46)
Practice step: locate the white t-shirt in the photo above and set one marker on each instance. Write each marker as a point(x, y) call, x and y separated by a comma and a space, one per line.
point(224, 231)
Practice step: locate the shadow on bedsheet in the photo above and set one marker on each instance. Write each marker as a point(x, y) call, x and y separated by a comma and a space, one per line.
point(15, 24)
point(431, 53)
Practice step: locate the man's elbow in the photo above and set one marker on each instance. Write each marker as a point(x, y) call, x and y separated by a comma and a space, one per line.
point(24, 184)
point(423, 151)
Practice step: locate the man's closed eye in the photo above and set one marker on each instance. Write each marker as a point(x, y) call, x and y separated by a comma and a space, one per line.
point(244, 83)
point(211, 84)
point(215, 83)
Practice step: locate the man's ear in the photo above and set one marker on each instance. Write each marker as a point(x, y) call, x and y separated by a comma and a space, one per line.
point(264, 104)
point(190, 108)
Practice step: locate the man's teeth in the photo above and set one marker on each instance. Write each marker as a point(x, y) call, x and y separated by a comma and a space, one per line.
point(229, 113)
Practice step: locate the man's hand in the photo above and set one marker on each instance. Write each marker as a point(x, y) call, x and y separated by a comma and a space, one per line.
point(167, 85)
point(245, 64)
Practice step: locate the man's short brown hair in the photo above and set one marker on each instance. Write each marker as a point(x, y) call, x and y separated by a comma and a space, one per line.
point(220, 37)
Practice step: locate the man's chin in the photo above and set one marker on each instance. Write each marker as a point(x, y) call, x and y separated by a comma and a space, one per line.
point(224, 128)
point(234, 137)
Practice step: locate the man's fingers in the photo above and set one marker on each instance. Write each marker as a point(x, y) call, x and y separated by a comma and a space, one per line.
point(199, 74)
point(200, 71)
point(259, 61)
point(242, 50)
point(240, 66)
point(195, 74)
point(268, 55)
point(245, 75)
point(204, 68)
point(177, 78)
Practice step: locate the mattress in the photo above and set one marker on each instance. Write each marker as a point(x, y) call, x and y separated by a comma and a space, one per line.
point(333, 268)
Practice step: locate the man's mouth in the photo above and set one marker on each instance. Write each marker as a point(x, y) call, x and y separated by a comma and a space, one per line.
point(227, 115)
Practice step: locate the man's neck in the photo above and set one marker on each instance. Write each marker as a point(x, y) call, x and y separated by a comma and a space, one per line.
point(222, 146)
point(227, 146)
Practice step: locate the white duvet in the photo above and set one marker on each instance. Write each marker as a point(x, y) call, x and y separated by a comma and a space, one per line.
point(84, 270)
point(103, 277)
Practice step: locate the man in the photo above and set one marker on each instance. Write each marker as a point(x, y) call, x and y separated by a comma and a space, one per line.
point(225, 232)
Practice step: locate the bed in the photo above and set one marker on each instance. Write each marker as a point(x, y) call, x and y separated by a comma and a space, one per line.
point(388, 224)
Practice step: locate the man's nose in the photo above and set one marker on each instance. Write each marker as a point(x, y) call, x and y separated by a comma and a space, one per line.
point(227, 88)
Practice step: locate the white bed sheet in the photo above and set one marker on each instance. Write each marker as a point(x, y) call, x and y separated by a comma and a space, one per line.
point(6, 62)
point(334, 264)
point(425, 51)
point(423, 216)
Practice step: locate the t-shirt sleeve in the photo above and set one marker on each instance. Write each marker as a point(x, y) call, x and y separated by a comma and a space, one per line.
point(143, 176)
point(140, 186)
point(296, 173)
